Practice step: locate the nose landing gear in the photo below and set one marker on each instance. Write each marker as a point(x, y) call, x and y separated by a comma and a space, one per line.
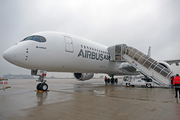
point(42, 86)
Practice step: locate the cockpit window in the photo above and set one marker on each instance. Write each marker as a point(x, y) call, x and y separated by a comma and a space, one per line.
point(35, 38)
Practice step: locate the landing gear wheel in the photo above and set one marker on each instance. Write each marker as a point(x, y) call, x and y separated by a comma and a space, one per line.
point(44, 86)
point(38, 86)
point(112, 81)
point(148, 85)
point(108, 80)
point(127, 84)
point(116, 80)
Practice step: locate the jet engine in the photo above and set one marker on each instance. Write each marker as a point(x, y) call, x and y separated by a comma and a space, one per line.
point(128, 67)
point(166, 65)
point(83, 76)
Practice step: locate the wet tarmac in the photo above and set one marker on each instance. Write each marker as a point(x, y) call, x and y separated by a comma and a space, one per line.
point(69, 99)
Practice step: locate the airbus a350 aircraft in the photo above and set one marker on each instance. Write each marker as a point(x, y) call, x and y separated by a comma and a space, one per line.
point(61, 52)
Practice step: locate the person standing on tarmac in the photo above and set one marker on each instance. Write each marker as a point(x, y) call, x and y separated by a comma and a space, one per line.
point(172, 79)
point(176, 83)
point(106, 80)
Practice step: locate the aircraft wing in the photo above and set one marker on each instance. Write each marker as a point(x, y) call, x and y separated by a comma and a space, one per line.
point(173, 62)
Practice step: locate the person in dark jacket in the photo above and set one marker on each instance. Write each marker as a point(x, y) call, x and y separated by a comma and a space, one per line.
point(106, 80)
point(176, 83)
point(172, 78)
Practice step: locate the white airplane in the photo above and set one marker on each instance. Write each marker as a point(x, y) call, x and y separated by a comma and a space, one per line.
point(61, 52)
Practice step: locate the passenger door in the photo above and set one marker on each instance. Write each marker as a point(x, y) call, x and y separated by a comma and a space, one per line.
point(68, 44)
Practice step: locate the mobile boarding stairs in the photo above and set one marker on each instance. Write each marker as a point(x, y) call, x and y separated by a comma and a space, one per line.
point(146, 65)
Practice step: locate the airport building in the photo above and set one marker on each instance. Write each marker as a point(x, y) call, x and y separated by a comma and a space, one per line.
point(10, 76)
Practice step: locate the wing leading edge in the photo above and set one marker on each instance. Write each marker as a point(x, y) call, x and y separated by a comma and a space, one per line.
point(172, 62)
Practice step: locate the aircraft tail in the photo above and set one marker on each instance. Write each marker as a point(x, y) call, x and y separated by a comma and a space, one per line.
point(149, 52)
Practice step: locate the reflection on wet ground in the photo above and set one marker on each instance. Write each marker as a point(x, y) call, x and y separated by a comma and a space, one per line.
point(71, 99)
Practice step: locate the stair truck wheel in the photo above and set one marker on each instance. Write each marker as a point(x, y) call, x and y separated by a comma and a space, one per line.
point(148, 85)
point(127, 84)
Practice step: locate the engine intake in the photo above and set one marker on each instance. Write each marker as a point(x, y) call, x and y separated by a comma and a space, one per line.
point(128, 67)
point(166, 65)
point(83, 76)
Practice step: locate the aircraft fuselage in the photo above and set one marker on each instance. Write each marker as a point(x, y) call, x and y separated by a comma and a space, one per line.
point(62, 53)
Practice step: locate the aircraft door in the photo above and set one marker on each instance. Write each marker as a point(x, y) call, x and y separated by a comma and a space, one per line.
point(68, 44)
point(116, 52)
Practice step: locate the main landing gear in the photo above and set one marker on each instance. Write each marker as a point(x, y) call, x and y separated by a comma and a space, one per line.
point(112, 80)
point(42, 86)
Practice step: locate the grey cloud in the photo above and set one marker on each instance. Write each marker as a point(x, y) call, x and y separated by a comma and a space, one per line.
point(137, 23)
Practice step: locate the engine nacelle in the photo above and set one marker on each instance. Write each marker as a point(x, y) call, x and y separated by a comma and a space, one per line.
point(127, 67)
point(165, 64)
point(83, 76)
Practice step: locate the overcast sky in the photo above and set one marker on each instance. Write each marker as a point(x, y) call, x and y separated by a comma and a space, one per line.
point(137, 23)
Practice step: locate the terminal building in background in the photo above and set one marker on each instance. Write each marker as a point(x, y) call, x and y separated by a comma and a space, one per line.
point(10, 76)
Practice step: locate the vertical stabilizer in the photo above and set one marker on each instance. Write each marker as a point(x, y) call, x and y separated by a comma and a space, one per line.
point(149, 52)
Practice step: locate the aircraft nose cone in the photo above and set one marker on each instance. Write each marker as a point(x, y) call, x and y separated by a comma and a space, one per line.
point(9, 55)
